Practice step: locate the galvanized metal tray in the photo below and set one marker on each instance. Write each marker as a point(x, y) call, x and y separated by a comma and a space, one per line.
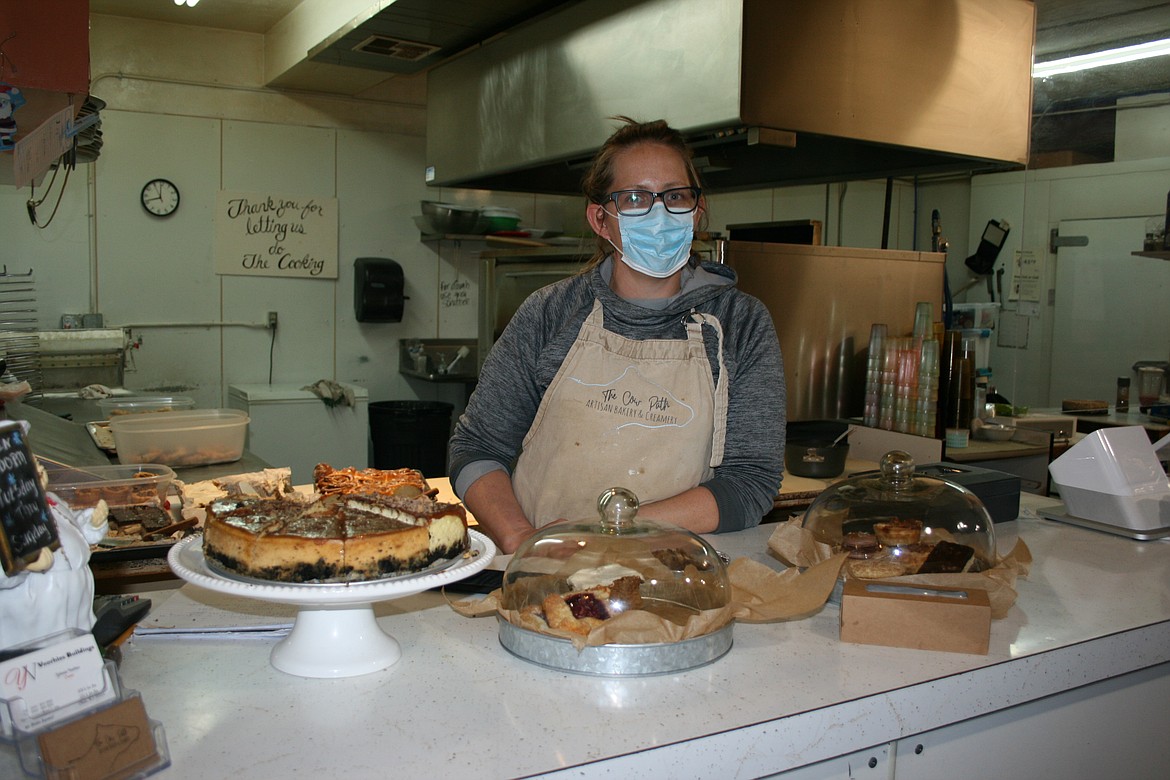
point(615, 660)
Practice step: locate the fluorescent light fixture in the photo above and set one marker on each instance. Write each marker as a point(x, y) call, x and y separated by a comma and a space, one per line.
point(1100, 59)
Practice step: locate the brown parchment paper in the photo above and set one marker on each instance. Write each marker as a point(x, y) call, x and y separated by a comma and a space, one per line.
point(760, 594)
point(796, 545)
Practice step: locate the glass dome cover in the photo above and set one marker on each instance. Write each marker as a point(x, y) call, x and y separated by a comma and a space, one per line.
point(896, 522)
point(626, 562)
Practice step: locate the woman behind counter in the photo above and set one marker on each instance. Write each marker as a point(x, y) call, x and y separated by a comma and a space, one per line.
point(649, 371)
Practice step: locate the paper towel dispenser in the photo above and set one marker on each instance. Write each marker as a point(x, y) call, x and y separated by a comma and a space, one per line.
point(377, 290)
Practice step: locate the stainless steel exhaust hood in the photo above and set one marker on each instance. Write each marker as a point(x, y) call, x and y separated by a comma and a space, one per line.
point(769, 92)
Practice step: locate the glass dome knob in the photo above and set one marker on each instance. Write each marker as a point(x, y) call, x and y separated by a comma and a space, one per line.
point(897, 468)
point(618, 508)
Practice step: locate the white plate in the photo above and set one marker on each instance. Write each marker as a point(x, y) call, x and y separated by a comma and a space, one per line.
point(187, 561)
point(335, 633)
point(439, 565)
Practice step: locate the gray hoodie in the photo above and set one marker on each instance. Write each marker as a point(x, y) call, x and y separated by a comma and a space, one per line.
point(524, 360)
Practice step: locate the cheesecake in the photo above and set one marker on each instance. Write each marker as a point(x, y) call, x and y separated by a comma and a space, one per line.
point(334, 539)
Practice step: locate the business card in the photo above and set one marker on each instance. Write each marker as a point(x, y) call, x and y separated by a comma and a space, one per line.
point(109, 744)
point(50, 684)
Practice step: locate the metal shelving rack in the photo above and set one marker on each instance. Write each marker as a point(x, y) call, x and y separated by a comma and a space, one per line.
point(19, 342)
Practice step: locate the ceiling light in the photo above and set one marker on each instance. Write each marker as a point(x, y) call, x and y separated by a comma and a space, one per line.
point(188, 3)
point(1102, 58)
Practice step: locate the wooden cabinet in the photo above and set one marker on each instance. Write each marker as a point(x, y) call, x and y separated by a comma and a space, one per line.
point(44, 61)
point(45, 45)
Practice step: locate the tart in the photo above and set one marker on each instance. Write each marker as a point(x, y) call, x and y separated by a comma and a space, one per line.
point(898, 531)
point(579, 612)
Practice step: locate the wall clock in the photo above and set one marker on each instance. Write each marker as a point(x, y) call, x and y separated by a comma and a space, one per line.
point(160, 197)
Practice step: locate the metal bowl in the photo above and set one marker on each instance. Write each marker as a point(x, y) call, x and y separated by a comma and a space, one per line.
point(994, 432)
point(450, 217)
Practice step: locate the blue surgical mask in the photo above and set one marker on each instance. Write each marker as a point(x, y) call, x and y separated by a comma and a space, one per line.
point(658, 243)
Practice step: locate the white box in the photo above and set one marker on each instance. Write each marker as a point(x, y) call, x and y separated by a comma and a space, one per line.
point(295, 428)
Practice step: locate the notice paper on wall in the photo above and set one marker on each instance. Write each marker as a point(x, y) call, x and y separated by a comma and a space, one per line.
point(264, 234)
point(1026, 281)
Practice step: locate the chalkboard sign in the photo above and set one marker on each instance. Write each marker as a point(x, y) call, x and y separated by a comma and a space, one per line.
point(27, 526)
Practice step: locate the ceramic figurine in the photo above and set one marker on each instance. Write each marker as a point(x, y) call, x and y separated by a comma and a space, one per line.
point(10, 100)
point(55, 592)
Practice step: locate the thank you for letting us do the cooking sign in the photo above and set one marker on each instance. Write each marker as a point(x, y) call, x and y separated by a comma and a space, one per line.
point(264, 234)
point(26, 526)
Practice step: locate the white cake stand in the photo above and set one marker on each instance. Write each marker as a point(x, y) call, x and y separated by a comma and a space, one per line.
point(335, 633)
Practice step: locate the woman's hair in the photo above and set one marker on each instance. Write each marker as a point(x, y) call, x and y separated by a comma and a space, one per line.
point(598, 181)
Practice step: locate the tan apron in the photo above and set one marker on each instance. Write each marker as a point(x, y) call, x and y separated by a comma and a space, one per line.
point(643, 415)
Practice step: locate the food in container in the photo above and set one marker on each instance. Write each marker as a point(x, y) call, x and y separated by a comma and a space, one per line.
point(188, 438)
point(124, 485)
point(616, 577)
point(136, 404)
point(896, 521)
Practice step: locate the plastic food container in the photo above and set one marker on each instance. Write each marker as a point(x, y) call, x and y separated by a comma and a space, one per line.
point(190, 438)
point(125, 485)
point(135, 404)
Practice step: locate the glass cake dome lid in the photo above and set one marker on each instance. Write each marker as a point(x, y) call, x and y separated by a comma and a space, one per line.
point(616, 562)
point(895, 521)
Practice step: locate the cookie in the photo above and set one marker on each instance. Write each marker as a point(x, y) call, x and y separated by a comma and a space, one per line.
point(875, 570)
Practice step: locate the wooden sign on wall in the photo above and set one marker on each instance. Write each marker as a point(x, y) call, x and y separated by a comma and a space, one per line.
point(259, 234)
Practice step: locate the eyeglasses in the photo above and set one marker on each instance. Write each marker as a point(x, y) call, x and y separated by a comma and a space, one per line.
point(637, 203)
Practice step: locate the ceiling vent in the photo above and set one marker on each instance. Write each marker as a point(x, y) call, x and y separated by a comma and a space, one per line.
point(397, 48)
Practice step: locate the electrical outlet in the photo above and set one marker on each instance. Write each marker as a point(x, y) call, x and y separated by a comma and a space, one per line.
point(272, 320)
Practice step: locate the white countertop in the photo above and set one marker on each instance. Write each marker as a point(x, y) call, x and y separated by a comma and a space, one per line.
point(457, 704)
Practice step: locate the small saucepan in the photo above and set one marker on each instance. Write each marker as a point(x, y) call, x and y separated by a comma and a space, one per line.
point(816, 449)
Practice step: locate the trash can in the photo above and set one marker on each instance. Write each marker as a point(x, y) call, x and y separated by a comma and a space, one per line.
point(411, 434)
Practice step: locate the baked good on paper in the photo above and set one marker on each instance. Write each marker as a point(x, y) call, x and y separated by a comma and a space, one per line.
point(948, 558)
point(897, 531)
point(876, 569)
point(409, 483)
point(860, 544)
point(911, 556)
point(581, 611)
point(333, 539)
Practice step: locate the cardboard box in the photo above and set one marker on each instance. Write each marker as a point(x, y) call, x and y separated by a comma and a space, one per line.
point(953, 620)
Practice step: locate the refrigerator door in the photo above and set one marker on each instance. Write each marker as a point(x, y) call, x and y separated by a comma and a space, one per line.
point(823, 301)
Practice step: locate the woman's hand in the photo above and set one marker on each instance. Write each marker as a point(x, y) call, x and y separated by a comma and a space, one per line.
point(493, 503)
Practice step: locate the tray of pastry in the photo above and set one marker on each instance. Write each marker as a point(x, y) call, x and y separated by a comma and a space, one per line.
point(102, 436)
point(138, 531)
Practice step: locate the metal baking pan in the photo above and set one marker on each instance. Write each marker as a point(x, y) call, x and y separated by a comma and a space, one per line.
point(615, 660)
